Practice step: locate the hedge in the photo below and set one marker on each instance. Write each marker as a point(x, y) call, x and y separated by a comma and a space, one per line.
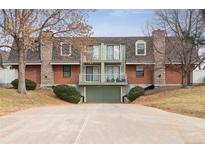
point(67, 93)
point(135, 93)
point(30, 85)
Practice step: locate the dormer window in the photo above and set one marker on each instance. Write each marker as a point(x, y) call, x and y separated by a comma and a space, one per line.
point(140, 48)
point(65, 49)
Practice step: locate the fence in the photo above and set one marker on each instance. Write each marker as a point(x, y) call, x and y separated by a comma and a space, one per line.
point(7, 75)
point(198, 76)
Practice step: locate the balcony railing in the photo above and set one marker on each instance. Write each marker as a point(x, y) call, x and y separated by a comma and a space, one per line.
point(103, 78)
point(103, 57)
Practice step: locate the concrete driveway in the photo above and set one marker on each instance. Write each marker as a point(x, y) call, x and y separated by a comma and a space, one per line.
point(100, 123)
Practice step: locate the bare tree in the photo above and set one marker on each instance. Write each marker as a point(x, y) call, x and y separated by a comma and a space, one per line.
point(21, 30)
point(184, 30)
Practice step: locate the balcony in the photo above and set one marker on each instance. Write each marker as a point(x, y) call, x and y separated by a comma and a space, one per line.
point(99, 59)
point(103, 79)
point(104, 53)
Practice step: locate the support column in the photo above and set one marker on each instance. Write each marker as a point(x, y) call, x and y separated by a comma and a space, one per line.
point(102, 72)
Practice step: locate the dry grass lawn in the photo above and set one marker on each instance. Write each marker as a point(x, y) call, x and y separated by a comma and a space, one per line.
point(189, 101)
point(11, 101)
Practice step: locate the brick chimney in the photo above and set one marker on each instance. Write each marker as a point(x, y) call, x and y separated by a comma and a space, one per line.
point(159, 56)
point(47, 78)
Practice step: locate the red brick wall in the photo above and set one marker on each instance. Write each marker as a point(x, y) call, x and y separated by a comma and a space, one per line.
point(173, 76)
point(58, 75)
point(33, 72)
point(133, 79)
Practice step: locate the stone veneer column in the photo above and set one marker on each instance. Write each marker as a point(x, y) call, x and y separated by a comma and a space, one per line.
point(47, 76)
point(159, 56)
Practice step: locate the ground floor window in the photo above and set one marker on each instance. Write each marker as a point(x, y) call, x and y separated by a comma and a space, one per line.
point(139, 71)
point(92, 73)
point(66, 71)
point(113, 73)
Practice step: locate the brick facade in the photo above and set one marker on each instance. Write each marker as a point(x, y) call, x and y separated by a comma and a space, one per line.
point(60, 79)
point(33, 72)
point(173, 75)
point(146, 79)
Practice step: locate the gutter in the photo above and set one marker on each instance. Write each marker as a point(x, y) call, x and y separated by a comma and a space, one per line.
point(53, 63)
point(18, 64)
point(127, 63)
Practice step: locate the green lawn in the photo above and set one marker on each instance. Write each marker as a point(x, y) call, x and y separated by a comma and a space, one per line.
point(11, 101)
point(190, 101)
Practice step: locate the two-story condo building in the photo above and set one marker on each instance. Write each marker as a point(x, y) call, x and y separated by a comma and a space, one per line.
point(112, 67)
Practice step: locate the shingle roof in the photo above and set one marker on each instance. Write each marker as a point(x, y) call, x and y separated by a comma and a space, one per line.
point(3, 57)
point(32, 57)
point(129, 42)
point(57, 58)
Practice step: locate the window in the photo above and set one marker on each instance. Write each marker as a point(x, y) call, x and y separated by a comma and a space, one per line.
point(65, 49)
point(139, 71)
point(113, 72)
point(66, 71)
point(92, 73)
point(95, 52)
point(140, 48)
point(113, 52)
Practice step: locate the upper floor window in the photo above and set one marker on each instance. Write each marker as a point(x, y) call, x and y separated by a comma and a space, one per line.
point(94, 51)
point(65, 49)
point(140, 48)
point(113, 52)
point(139, 71)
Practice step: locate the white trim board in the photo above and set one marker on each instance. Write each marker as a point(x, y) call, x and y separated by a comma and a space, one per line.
point(65, 63)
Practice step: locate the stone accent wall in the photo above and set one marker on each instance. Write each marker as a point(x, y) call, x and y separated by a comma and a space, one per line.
point(159, 56)
point(47, 75)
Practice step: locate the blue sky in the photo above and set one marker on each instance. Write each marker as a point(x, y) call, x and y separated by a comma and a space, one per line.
point(119, 22)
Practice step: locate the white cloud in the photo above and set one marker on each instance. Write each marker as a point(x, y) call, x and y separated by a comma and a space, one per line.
point(121, 13)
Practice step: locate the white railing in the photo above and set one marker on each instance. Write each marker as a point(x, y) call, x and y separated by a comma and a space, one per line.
point(103, 78)
point(90, 77)
point(103, 57)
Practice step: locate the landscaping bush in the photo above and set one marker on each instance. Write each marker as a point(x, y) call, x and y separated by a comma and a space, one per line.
point(30, 85)
point(135, 93)
point(67, 93)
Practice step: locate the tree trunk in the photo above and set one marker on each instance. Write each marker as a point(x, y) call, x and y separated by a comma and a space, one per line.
point(21, 73)
point(185, 78)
